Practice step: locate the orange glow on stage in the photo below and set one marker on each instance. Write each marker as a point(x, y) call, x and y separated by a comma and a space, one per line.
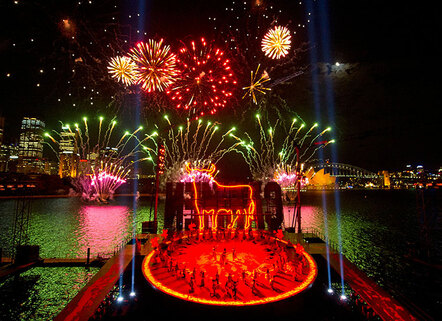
point(203, 274)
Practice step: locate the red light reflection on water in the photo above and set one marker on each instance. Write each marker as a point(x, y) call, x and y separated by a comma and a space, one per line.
point(310, 216)
point(102, 228)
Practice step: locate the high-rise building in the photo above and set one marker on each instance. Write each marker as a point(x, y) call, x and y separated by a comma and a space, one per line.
point(68, 154)
point(8, 157)
point(2, 129)
point(31, 146)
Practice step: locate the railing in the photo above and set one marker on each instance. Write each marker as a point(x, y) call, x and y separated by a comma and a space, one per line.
point(319, 234)
point(121, 246)
point(7, 254)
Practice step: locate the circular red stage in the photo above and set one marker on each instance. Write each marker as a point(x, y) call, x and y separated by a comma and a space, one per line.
point(229, 268)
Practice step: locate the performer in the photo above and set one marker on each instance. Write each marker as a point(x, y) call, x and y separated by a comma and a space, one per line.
point(228, 287)
point(244, 279)
point(202, 279)
point(217, 277)
point(183, 272)
point(254, 285)
point(234, 289)
point(214, 253)
point(223, 257)
point(214, 285)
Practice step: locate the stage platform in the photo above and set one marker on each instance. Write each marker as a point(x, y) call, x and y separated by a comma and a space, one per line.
point(230, 268)
point(314, 303)
point(149, 300)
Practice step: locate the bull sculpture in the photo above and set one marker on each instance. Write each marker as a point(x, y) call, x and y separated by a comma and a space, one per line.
point(248, 211)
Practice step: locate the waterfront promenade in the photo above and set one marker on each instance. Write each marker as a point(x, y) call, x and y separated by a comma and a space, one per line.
point(86, 302)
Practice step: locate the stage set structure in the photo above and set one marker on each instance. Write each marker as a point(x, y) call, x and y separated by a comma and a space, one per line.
point(219, 247)
point(209, 204)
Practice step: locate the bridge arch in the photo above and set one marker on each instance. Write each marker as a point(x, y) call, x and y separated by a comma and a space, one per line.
point(344, 170)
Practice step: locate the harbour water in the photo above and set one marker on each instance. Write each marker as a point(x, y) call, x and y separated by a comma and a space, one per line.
point(41, 292)
point(377, 228)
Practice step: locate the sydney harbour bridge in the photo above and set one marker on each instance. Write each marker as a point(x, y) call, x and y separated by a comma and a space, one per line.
point(340, 170)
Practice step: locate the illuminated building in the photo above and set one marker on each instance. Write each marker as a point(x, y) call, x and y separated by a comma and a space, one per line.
point(8, 158)
point(320, 178)
point(51, 167)
point(8, 153)
point(109, 153)
point(2, 127)
point(386, 178)
point(68, 155)
point(31, 146)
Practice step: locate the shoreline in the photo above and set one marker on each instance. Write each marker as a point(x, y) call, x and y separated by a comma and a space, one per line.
point(73, 196)
point(164, 194)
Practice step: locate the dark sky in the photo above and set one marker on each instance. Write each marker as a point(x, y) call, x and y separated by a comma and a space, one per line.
point(386, 91)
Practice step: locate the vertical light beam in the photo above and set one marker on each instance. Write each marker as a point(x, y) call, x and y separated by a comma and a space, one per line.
point(329, 100)
point(317, 106)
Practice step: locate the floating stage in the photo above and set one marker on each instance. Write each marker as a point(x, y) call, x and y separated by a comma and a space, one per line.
point(260, 275)
point(229, 268)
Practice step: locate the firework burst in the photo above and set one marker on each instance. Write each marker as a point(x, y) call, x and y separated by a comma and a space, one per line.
point(97, 164)
point(276, 158)
point(287, 177)
point(206, 82)
point(242, 27)
point(256, 85)
point(198, 143)
point(156, 65)
point(122, 69)
point(276, 42)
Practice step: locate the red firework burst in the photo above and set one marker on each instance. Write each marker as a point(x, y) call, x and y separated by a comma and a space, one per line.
point(206, 81)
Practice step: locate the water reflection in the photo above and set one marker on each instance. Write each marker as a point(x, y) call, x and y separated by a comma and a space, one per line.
point(309, 215)
point(101, 228)
point(40, 293)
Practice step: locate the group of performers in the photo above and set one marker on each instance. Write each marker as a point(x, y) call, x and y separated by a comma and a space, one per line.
point(286, 262)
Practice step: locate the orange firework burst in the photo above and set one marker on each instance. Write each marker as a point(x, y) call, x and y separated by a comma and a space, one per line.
point(156, 65)
point(276, 42)
point(206, 82)
point(256, 85)
point(123, 69)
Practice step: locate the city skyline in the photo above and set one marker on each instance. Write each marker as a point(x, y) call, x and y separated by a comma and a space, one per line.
point(68, 158)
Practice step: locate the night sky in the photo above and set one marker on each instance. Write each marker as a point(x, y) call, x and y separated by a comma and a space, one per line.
point(386, 89)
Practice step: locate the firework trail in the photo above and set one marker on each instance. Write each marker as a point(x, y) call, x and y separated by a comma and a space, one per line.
point(197, 142)
point(274, 157)
point(96, 164)
point(256, 85)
